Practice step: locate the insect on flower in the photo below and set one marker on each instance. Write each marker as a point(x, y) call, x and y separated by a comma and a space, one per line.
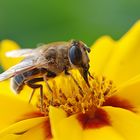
point(45, 62)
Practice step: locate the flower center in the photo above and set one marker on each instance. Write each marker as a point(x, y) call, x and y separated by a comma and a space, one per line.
point(67, 95)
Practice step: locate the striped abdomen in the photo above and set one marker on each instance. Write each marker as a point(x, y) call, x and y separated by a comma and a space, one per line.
point(18, 81)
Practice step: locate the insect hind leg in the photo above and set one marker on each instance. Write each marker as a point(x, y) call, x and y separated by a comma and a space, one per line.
point(34, 86)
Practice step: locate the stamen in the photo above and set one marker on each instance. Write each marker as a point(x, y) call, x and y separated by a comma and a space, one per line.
point(66, 94)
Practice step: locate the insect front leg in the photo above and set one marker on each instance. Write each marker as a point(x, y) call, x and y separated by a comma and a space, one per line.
point(45, 77)
point(75, 81)
point(34, 86)
point(47, 84)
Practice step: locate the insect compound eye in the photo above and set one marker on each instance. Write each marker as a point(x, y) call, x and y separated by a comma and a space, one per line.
point(75, 55)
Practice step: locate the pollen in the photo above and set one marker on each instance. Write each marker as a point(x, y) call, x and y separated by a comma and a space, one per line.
point(68, 96)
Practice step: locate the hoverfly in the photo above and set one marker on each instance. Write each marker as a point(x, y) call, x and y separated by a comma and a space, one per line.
point(45, 62)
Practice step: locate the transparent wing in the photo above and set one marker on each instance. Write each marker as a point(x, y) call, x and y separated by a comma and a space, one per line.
point(21, 67)
point(21, 52)
point(37, 61)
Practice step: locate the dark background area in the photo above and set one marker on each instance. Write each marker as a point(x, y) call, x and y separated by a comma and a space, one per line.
point(30, 22)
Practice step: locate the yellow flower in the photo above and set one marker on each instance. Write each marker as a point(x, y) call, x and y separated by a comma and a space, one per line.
point(109, 109)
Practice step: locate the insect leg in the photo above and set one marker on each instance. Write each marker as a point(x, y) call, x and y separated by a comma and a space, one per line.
point(90, 75)
point(31, 96)
point(46, 81)
point(81, 91)
point(48, 86)
point(31, 83)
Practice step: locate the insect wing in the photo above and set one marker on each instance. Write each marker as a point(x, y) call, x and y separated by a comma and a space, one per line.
point(19, 68)
point(20, 53)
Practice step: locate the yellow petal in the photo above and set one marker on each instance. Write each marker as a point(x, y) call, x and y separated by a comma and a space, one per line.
point(41, 131)
point(6, 46)
point(104, 133)
point(124, 122)
point(98, 126)
point(130, 91)
point(22, 127)
point(81, 127)
point(62, 127)
point(69, 129)
point(12, 109)
point(100, 53)
point(56, 115)
point(10, 137)
point(5, 87)
point(124, 63)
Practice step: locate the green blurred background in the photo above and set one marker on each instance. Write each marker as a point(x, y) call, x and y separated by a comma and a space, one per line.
point(30, 22)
